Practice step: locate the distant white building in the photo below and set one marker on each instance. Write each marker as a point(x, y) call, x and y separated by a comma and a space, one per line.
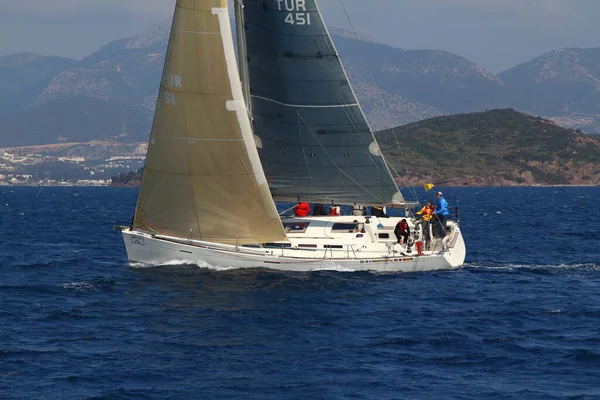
point(75, 160)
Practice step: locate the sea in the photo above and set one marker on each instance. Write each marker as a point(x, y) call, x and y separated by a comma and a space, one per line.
point(520, 320)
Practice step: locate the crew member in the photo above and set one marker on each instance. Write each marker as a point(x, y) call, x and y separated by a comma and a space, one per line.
point(302, 209)
point(319, 209)
point(441, 212)
point(427, 212)
point(402, 231)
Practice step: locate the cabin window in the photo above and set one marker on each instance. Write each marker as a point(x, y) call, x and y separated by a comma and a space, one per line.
point(295, 227)
point(308, 246)
point(384, 236)
point(344, 227)
point(333, 246)
point(278, 245)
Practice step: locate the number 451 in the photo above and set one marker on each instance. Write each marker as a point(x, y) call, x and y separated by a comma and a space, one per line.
point(298, 19)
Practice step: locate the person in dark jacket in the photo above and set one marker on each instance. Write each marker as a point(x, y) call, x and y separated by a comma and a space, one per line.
point(319, 209)
point(402, 231)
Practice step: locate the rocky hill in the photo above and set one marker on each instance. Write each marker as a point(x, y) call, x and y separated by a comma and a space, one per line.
point(24, 76)
point(110, 95)
point(564, 83)
point(73, 119)
point(435, 79)
point(497, 147)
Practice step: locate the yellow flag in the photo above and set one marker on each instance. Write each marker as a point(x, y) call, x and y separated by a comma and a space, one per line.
point(428, 186)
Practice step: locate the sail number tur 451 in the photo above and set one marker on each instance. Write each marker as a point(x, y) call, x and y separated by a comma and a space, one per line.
point(296, 11)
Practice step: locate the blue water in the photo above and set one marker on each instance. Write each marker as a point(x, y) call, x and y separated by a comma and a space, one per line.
point(521, 320)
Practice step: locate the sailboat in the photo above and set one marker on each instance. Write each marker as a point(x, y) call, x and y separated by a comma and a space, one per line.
point(229, 140)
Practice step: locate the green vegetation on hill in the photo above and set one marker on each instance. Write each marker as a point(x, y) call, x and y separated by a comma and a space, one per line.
point(497, 147)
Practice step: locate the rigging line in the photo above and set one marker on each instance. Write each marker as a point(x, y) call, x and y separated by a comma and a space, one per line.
point(399, 176)
point(289, 209)
point(305, 105)
point(387, 106)
point(381, 176)
point(302, 145)
point(300, 119)
point(335, 164)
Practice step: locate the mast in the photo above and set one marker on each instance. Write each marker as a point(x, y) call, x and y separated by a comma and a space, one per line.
point(242, 56)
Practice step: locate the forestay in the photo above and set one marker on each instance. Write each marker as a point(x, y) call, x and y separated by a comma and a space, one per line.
point(202, 177)
point(314, 141)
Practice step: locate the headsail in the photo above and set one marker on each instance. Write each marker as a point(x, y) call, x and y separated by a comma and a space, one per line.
point(203, 178)
point(314, 141)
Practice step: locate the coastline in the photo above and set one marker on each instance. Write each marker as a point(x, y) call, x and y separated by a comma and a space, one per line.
point(137, 184)
point(451, 185)
point(4, 184)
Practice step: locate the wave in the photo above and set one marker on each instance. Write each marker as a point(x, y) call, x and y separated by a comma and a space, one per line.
point(333, 266)
point(325, 266)
point(97, 285)
point(584, 356)
point(175, 263)
point(51, 263)
point(500, 267)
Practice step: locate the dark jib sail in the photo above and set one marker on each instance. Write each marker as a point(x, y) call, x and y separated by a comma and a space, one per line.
point(313, 139)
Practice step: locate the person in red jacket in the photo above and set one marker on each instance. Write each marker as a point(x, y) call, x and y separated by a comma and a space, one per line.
point(302, 209)
point(402, 231)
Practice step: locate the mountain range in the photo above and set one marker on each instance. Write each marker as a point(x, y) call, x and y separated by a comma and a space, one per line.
point(110, 94)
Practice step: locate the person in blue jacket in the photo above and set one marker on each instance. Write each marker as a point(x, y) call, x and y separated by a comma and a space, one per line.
point(441, 211)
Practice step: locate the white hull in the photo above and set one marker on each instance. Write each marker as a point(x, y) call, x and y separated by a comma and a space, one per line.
point(348, 250)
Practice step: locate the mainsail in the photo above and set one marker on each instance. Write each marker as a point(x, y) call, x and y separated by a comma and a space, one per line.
point(314, 141)
point(202, 178)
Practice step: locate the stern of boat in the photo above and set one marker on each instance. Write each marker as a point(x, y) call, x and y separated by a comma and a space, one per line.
point(454, 246)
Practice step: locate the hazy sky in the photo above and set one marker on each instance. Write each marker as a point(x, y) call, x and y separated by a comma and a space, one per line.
point(496, 34)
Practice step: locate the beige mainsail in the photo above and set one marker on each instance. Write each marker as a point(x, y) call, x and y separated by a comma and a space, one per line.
point(203, 178)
